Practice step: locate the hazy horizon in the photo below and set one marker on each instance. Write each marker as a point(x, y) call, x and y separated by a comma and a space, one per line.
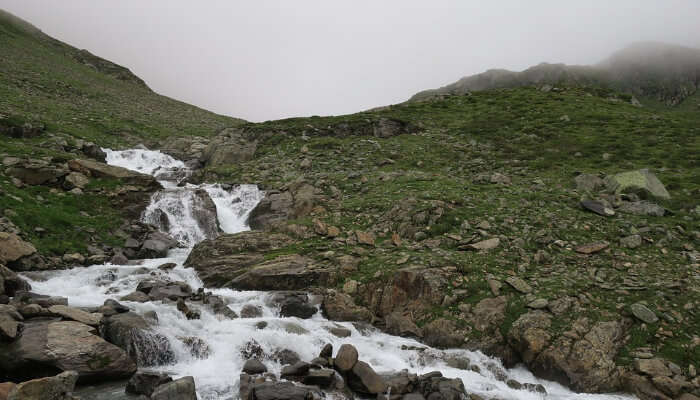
point(274, 59)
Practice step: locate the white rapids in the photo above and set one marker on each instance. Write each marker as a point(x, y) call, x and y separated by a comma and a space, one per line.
point(217, 375)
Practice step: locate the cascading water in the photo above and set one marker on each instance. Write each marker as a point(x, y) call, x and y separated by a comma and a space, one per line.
point(217, 364)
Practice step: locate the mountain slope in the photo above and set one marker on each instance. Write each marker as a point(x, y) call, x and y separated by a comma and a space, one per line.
point(653, 72)
point(46, 82)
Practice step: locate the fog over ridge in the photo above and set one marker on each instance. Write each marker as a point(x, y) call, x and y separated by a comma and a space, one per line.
point(273, 59)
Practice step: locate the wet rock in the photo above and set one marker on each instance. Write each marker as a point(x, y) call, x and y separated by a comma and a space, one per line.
point(295, 370)
point(48, 346)
point(362, 379)
point(319, 377)
point(641, 182)
point(293, 304)
point(137, 296)
point(346, 358)
point(219, 307)
point(59, 387)
point(157, 245)
point(204, 212)
point(184, 309)
point(181, 389)
point(286, 357)
point(12, 248)
point(146, 382)
point(282, 391)
point(643, 313)
point(598, 208)
point(326, 351)
point(339, 331)
point(254, 367)
point(94, 151)
point(199, 349)
point(134, 334)
point(10, 282)
point(160, 290)
point(251, 311)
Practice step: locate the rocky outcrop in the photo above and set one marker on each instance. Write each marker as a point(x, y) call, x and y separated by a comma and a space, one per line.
point(582, 358)
point(292, 272)
point(49, 347)
point(230, 147)
point(220, 260)
point(277, 207)
point(10, 282)
point(37, 172)
point(101, 170)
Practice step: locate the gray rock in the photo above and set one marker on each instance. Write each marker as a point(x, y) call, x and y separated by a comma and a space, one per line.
point(181, 389)
point(134, 335)
point(641, 182)
point(364, 380)
point(251, 311)
point(254, 367)
point(642, 208)
point(643, 313)
point(631, 242)
point(519, 284)
point(146, 382)
point(346, 358)
point(598, 208)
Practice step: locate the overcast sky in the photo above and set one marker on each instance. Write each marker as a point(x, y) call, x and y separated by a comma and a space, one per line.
point(269, 59)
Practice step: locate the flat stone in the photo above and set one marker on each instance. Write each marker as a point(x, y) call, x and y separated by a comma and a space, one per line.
point(538, 304)
point(487, 244)
point(519, 284)
point(643, 313)
point(598, 208)
point(70, 313)
point(652, 367)
point(591, 248)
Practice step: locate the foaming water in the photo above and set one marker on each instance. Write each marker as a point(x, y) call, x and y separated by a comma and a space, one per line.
point(217, 364)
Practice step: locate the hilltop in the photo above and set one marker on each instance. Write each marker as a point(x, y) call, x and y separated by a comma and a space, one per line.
point(656, 73)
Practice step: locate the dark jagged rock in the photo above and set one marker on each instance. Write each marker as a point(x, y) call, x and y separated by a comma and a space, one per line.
point(146, 382)
point(293, 304)
point(134, 335)
point(254, 367)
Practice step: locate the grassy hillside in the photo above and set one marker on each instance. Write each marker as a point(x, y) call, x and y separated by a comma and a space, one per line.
point(68, 96)
point(44, 81)
point(541, 141)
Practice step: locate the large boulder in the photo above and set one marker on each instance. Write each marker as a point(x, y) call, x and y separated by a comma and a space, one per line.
point(157, 245)
point(291, 272)
point(12, 248)
point(59, 387)
point(37, 172)
point(134, 334)
point(145, 383)
point(181, 389)
point(49, 347)
point(583, 358)
point(101, 170)
point(293, 304)
point(641, 182)
point(277, 207)
point(364, 380)
point(220, 260)
point(10, 282)
point(204, 212)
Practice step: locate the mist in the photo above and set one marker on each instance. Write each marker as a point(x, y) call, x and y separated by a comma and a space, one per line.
point(262, 60)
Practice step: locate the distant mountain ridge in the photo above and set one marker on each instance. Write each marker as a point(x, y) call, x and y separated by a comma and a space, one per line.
point(656, 71)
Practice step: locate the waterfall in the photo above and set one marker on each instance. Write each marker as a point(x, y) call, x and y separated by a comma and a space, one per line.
point(221, 343)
